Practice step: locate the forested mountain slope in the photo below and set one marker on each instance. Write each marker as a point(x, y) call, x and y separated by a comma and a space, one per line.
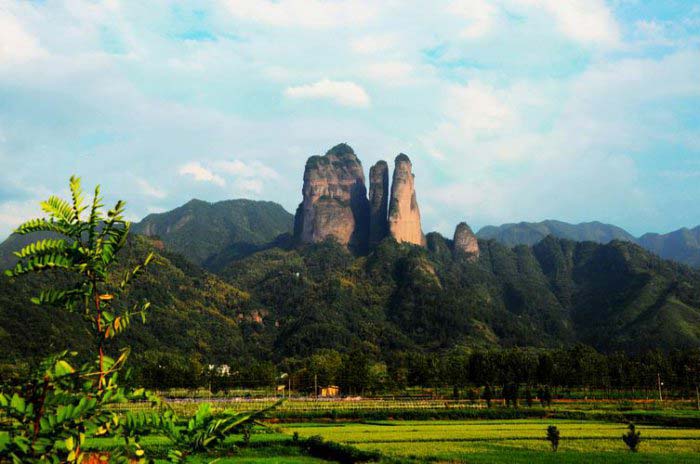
point(208, 232)
point(193, 312)
point(279, 303)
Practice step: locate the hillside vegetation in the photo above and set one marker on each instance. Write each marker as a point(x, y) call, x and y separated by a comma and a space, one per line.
point(682, 245)
point(206, 232)
point(280, 303)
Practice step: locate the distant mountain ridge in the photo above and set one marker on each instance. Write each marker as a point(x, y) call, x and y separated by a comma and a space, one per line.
point(530, 233)
point(682, 245)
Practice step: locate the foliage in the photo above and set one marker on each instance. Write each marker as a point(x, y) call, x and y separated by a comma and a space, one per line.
point(205, 431)
point(400, 316)
point(487, 395)
point(495, 441)
point(213, 234)
point(632, 438)
point(337, 452)
point(48, 416)
point(553, 436)
point(86, 249)
point(50, 413)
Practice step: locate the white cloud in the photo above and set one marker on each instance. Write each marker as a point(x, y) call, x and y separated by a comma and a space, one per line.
point(14, 213)
point(344, 93)
point(480, 16)
point(148, 189)
point(250, 185)
point(16, 44)
point(250, 169)
point(472, 112)
point(390, 72)
point(587, 21)
point(373, 43)
point(200, 173)
point(507, 162)
point(312, 14)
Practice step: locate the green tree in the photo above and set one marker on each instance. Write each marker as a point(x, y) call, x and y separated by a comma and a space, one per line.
point(487, 395)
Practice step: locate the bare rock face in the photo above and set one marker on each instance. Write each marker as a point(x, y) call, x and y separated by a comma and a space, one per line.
point(378, 202)
point(404, 216)
point(334, 200)
point(465, 242)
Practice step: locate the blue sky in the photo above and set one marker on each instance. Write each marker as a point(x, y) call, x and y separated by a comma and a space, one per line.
point(511, 110)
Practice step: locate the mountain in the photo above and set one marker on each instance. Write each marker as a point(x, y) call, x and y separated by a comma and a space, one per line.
point(682, 245)
point(269, 296)
point(278, 304)
point(529, 233)
point(203, 232)
point(15, 243)
point(193, 311)
point(559, 292)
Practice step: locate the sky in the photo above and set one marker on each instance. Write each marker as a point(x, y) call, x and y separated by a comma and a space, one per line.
point(511, 110)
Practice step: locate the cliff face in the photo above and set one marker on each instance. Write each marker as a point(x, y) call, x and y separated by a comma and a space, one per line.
point(404, 215)
point(465, 242)
point(334, 200)
point(378, 202)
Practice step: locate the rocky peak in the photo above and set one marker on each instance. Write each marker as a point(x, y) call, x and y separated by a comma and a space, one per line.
point(378, 202)
point(465, 242)
point(404, 215)
point(334, 200)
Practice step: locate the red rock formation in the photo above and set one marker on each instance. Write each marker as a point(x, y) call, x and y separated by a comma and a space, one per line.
point(404, 215)
point(465, 242)
point(378, 202)
point(334, 200)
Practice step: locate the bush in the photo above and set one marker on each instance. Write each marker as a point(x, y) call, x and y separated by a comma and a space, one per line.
point(344, 454)
point(632, 438)
point(553, 436)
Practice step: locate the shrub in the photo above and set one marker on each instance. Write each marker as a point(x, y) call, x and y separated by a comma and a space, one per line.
point(553, 436)
point(344, 454)
point(632, 438)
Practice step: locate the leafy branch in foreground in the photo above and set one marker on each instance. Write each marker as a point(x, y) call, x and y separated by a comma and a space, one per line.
point(206, 431)
point(47, 417)
point(86, 247)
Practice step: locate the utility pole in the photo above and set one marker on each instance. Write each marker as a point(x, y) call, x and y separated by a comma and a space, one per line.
point(658, 381)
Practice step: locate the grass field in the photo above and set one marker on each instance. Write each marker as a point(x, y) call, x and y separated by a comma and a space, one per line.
point(511, 441)
point(444, 431)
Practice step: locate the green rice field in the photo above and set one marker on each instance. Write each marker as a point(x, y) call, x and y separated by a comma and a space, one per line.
point(511, 441)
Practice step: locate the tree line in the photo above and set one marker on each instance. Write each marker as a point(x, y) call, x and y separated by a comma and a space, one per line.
point(359, 372)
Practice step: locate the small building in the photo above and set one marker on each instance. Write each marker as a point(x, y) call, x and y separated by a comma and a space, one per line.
point(330, 391)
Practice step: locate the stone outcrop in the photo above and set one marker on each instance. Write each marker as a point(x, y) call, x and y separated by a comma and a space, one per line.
point(404, 215)
point(334, 200)
point(378, 202)
point(465, 242)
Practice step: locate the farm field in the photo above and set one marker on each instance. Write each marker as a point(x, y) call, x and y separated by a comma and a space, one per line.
point(511, 441)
